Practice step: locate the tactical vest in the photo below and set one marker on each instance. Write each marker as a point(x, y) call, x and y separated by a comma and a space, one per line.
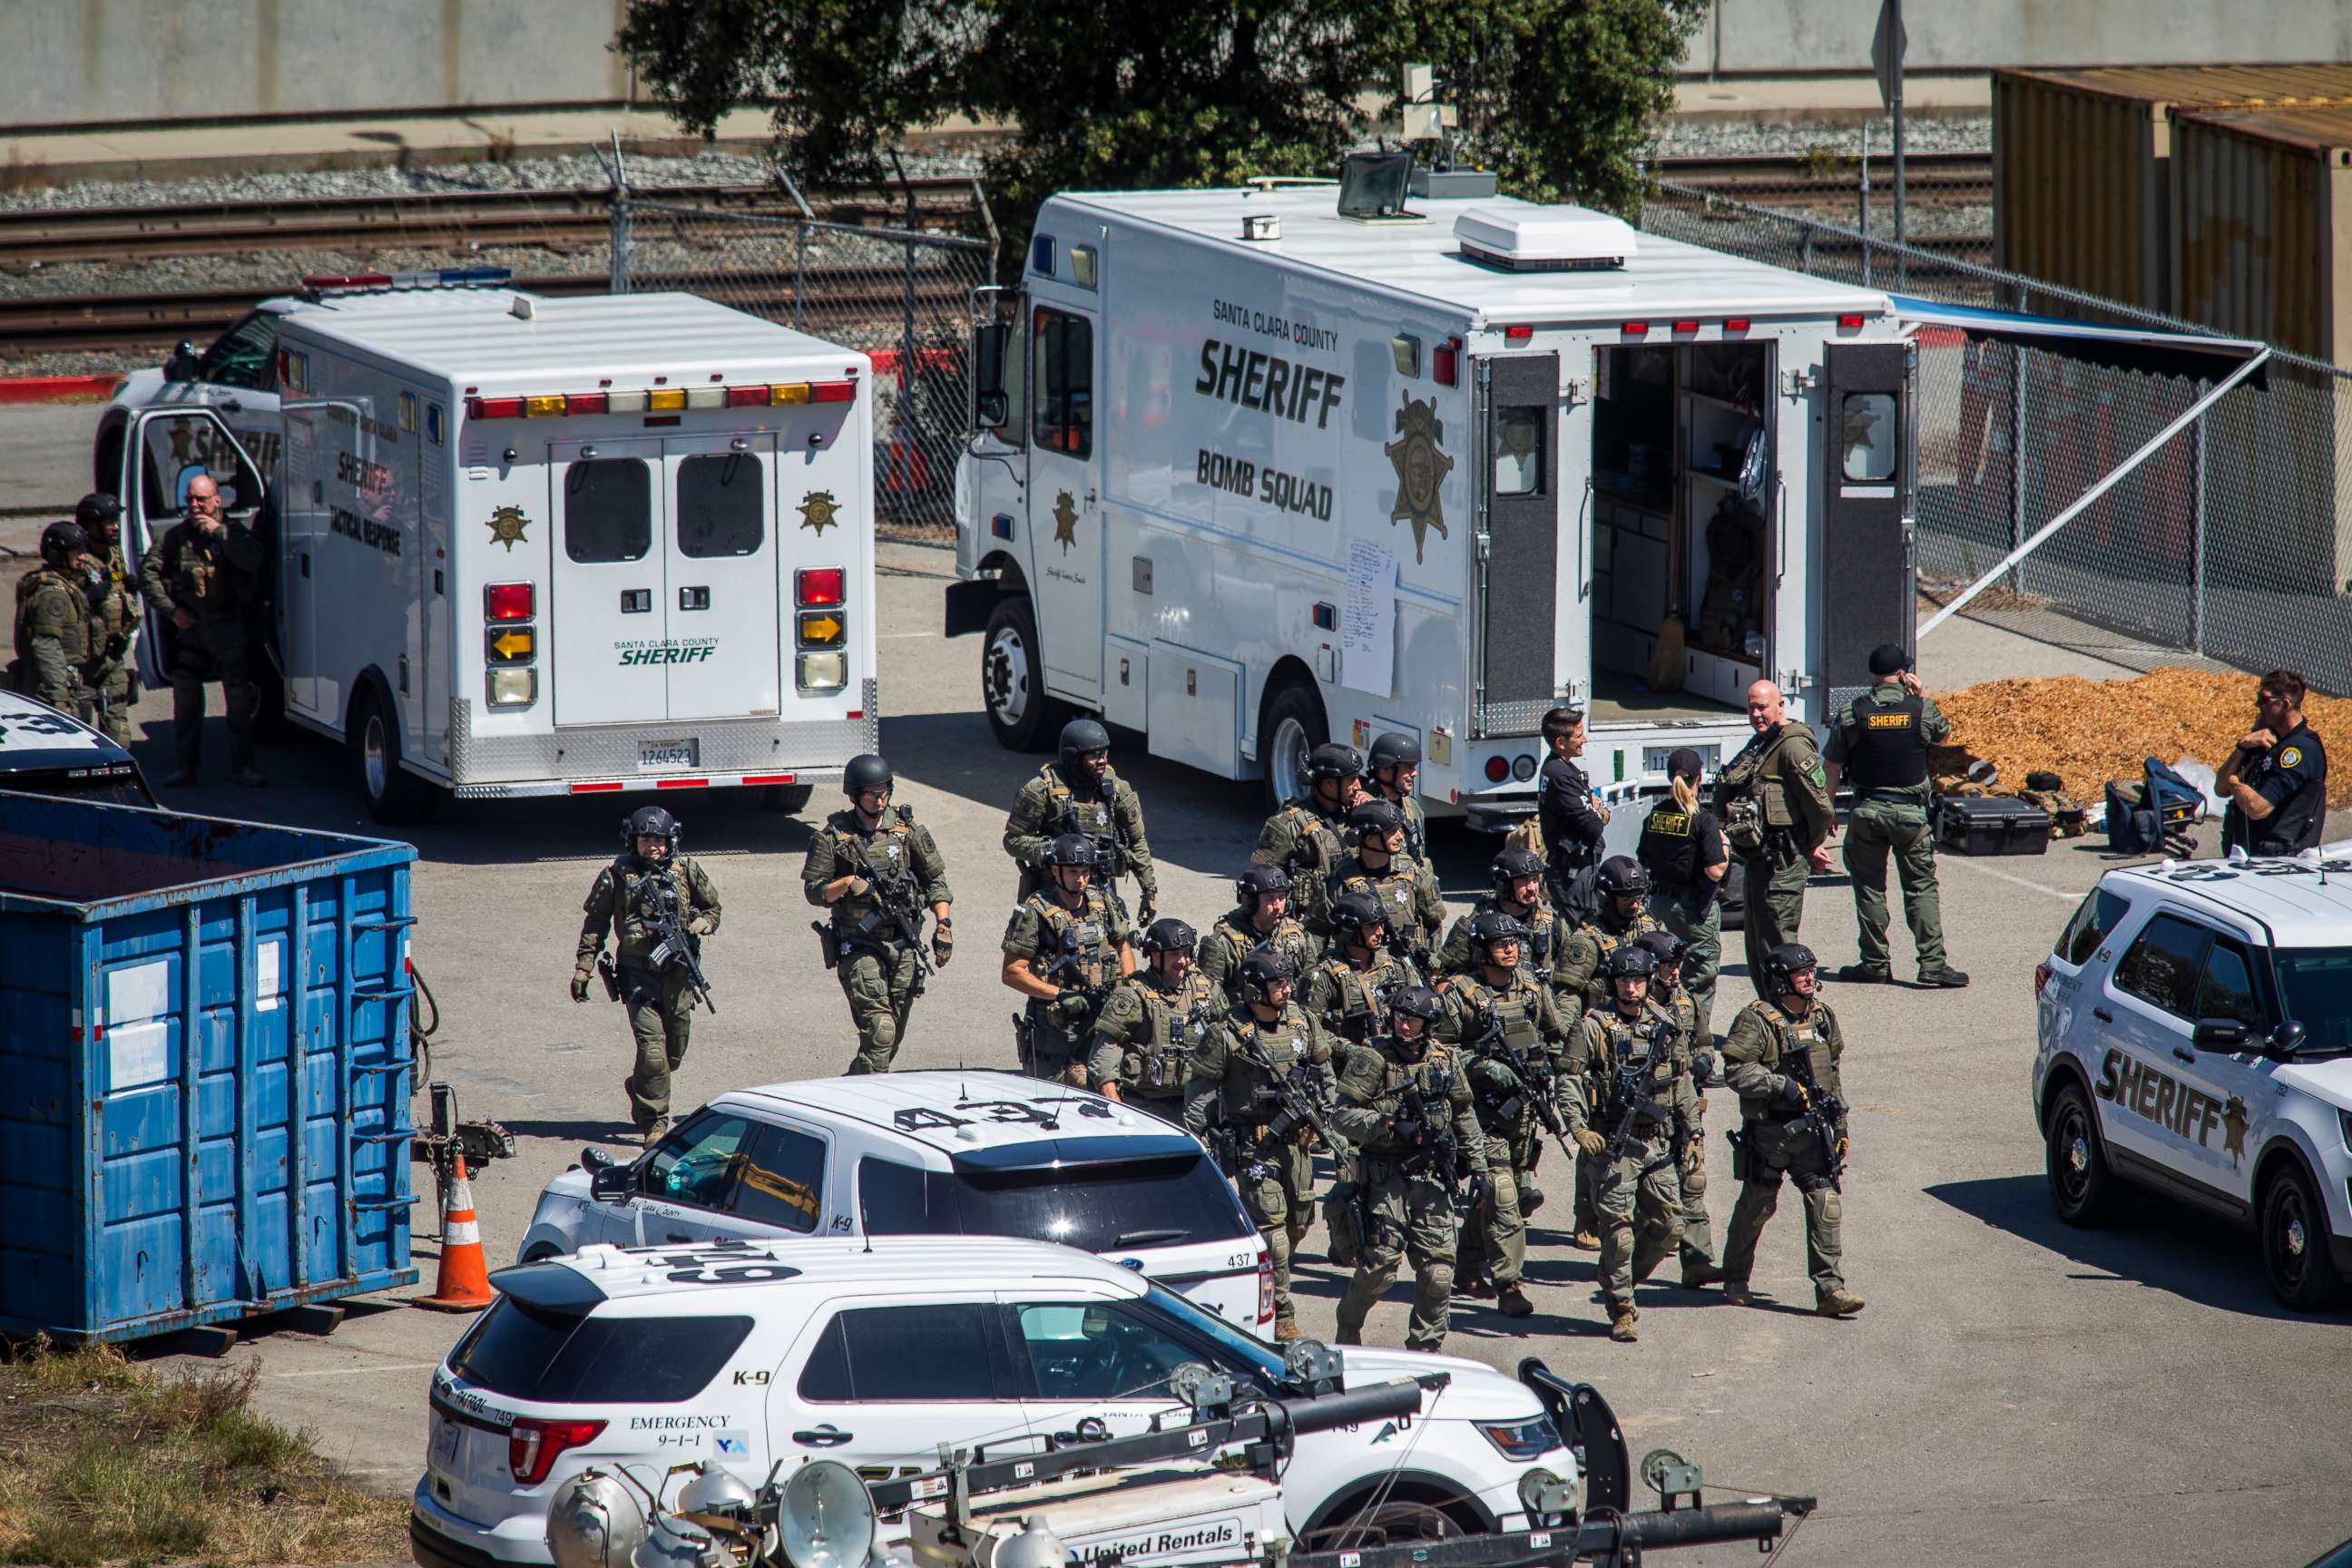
point(1069, 811)
point(1669, 846)
point(1248, 1091)
point(1085, 933)
point(1750, 776)
point(1886, 748)
point(1608, 941)
point(1363, 996)
point(1434, 1073)
point(113, 599)
point(888, 855)
point(1516, 1005)
point(1416, 834)
point(197, 570)
point(1287, 936)
point(2300, 821)
point(76, 639)
point(1789, 1037)
point(1314, 841)
point(1157, 1062)
point(1627, 1041)
point(1394, 890)
point(634, 887)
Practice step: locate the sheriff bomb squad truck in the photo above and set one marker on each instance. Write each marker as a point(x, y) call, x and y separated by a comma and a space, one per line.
point(531, 546)
point(1254, 468)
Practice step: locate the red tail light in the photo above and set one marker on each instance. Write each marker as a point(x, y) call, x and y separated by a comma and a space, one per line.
point(818, 585)
point(2042, 973)
point(747, 397)
point(508, 601)
point(1637, 329)
point(587, 403)
point(1498, 769)
point(494, 408)
point(1266, 1287)
point(532, 1445)
point(1685, 326)
point(833, 392)
point(1441, 365)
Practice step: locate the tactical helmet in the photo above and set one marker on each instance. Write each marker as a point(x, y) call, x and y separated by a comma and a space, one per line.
point(1072, 849)
point(1082, 736)
point(1377, 817)
point(1258, 881)
point(1488, 927)
point(1663, 945)
point(1261, 966)
point(99, 506)
point(1415, 1002)
point(60, 539)
point(1783, 963)
point(1170, 935)
point(1622, 877)
point(648, 821)
point(1393, 748)
point(1353, 912)
point(1630, 961)
point(1514, 864)
point(865, 773)
point(1332, 761)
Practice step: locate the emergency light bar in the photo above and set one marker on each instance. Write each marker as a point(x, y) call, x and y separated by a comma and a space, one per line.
point(660, 399)
point(441, 277)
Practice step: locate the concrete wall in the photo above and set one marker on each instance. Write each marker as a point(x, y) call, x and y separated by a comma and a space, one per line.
point(79, 62)
point(1789, 37)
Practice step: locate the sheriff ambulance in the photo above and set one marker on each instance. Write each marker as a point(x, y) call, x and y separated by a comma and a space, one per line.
point(1253, 468)
point(529, 546)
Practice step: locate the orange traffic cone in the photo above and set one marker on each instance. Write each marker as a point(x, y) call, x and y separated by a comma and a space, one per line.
point(464, 1284)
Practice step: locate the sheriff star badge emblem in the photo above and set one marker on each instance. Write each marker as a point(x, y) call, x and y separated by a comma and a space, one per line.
point(1421, 468)
point(1065, 521)
point(820, 511)
point(507, 525)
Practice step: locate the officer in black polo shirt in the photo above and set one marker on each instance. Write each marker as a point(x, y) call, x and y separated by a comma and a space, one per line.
point(2276, 781)
point(1881, 744)
point(1683, 850)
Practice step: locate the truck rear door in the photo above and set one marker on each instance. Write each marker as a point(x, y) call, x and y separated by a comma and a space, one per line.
point(611, 595)
point(1868, 563)
point(163, 450)
point(1518, 413)
point(721, 565)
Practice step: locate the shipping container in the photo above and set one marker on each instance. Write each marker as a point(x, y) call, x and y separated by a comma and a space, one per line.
point(204, 1068)
point(2081, 165)
point(2263, 199)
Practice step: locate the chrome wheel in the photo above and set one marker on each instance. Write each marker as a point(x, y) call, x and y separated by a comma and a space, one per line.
point(1005, 678)
point(376, 761)
point(1286, 757)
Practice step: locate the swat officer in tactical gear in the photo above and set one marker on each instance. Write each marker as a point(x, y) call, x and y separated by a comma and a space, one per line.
point(1516, 877)
point(207, 577)
point(1393, 770)
point(656, 990)
point(113, 673)
point(53, 622)
point(876, 868)
point(1261, 915)
point(1780, 1055)
point(1236, 1073)
point(1153, 1022)
point(1495, 1014)
point(1405, 1106)
point(1079, 793)
point(1406, 887)
point(1631, 1108)
point(1773, 799)
point(1683, 849)
point(1306, 838)
point(1347, 990)
point(1668, 995)
point(1881, 744)
point(1623, 887)
point(1066, 943)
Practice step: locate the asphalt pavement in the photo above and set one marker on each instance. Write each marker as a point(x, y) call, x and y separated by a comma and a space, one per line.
point(2016, 1391)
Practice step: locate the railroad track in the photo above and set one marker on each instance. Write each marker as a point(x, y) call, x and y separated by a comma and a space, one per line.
point(1929, 179)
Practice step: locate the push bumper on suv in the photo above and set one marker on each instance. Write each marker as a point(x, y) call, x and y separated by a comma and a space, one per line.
point(1586, 1424)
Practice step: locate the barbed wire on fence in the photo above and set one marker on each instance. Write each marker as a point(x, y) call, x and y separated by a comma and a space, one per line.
point(2226, 548)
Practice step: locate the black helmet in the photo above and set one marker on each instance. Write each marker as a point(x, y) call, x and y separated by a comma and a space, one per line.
point(1631, 962)
point(1415, 1002)
point(1622, 877)
point(648, 821)
point(1170, 935)
point(1663, 945)
point(99, 506)
point(60, 539)
point(1073, 849)
point(1332, 761)
point(1488, 927)
point(1377, 817)
point(1261, 966)
point(1351, 913)
point(1783, 963)
point(1258, 881)
point(1512, 864)
point(865, 773)
point(1081, 736)
point(1393, 748)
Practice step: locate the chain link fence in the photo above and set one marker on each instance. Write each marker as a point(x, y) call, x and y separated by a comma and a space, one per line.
point(900, 296)
point(2224, 548)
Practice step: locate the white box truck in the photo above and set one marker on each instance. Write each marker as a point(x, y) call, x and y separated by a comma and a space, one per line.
point(1255, 467)
point(526, 546)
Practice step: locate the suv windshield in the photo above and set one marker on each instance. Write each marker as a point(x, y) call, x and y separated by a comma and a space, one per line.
point(564, 1358)
point(1253, 1354)
point(2316, 986)
point(1163, 1202)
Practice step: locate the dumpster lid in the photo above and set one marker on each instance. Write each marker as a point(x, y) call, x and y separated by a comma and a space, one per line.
point(2149, 350)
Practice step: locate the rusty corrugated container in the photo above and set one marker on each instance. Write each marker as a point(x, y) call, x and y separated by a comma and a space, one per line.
point(2081, 175)
point(2262, 235)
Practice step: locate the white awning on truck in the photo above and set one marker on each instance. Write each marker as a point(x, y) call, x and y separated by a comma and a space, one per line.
point(2150, 351)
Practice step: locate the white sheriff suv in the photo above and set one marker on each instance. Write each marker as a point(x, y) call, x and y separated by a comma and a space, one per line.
point(2196, 1041)
point(979, 1152)
point(754, 1354)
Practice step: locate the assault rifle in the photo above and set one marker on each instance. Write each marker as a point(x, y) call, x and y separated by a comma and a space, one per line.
point(1824, 1117)
point(1297, 1102)
point(674, 944)
point(896, 913)
point(1111, 847)
point(1538, 1083)
point(1424, 1123)
point(1630, 1083)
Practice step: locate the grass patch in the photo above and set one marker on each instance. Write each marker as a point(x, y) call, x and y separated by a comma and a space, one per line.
point(103, 1460)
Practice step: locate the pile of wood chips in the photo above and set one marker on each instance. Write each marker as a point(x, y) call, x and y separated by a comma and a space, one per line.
point(2088, 732)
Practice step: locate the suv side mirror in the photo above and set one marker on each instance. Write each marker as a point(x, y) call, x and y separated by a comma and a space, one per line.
point(2218, 1035)
point(607, 1182)
point(989, 405)
point(182, 363)
point(2286, 1041)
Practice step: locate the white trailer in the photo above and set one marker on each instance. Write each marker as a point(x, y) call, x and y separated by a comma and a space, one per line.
point(1265, 467)
point(528, 546)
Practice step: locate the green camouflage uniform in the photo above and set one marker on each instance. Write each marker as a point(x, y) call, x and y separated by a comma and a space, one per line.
point(1408, 1194)
point(114, 622)
point(1307, 843)
point(1583, 990)
point(1640, 1196)
point(1698, 1230)
point(1236, 932)
point(1494, 1238)
point(1276, 1185)
point(880, 971)
point(52, 638)
point(1049, 807)
point(1781, 771)
point(1892, 821)
point(1146, 1035)
point(1547, 940)
point(1754, 1054)
point(1352, 1003)
point(1085, 943)
point(660, 1001)
point(1407, 891)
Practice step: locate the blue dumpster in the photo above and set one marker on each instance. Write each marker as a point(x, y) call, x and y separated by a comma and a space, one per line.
point(204, 1068)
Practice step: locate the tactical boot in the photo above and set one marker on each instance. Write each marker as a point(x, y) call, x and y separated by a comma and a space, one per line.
point(1620, 1323)
point(657, 1132)
point(1477, 1288)
point(1944, 979)
point(1698, 1277)
point(250, 777)
point(1863, 975)
point(1585, 1241)
point(1736, 1293)
point(1514, 1301)
point(1286, 1330)
point(1839, 1303)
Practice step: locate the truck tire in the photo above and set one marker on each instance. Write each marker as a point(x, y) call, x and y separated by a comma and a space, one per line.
point(2294, 1240)
point(2084, 1188)
point(1012, 679)
point(395, 797)
point(1294, 726)
point(789, 799)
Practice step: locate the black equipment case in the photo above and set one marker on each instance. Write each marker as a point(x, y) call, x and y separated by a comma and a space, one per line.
point(1991, 824)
